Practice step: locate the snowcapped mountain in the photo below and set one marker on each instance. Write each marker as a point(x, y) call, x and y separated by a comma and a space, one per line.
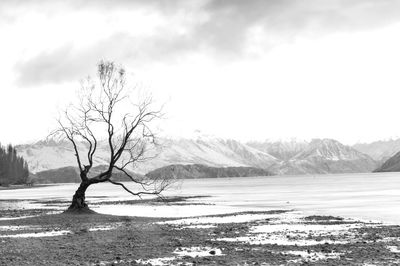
point(329, 149)
point(390, 165)
point(47, 155)
point(292, 157)
point(326, 156)
point(208, 151)
point(283, 150)
point(379, 150)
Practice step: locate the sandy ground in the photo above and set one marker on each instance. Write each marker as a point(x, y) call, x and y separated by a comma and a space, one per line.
point(247, 238)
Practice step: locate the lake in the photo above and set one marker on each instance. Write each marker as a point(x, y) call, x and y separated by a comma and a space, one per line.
point(372, 196)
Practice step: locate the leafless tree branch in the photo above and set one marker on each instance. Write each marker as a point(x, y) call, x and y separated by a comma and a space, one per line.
point(128, 134)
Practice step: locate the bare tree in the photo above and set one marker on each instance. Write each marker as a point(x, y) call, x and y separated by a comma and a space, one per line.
point(106, 112)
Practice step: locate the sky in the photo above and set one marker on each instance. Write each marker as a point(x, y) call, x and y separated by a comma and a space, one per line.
point(246, 70)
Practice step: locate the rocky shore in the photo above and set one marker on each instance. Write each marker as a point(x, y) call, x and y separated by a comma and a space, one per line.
point(246, 238)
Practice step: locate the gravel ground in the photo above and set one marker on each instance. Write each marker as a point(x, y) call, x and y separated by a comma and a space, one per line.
point(250, 238)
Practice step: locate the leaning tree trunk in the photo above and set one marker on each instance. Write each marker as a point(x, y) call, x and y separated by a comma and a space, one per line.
point(78, 203)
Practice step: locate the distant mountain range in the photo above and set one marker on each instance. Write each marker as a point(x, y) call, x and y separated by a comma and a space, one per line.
point(390, 165)
point(46, 155)
point(70, 174)
point(379, 150)
point(326, 156)
point(177, 171)
point(318, 156)
point(282, 150)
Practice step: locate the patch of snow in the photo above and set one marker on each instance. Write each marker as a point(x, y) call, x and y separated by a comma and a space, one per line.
point(386, 239)
point(295, 233)
point(240, 218)
point(304, 228)
point(39, 234)
point(262, 239)
point(200, 226)
point(156, 261)
point(198, 252)
point(12, 227)
point(394, 249)
point(16, 218)
point(104, 228)
point(313, 256)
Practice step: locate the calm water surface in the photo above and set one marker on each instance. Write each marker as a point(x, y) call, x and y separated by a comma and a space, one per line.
point(374, 196)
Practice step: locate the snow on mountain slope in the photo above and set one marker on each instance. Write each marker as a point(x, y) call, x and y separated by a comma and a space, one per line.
point(283, 150)
point(330, 149)
point(326, 156)
point(241, 152)
point(379, 150)
point(390, 165)
point(318, 156)
point(212, 152)
point(46, 155)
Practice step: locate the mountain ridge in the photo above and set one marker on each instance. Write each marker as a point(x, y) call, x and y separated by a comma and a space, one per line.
point(380, 150)
point(294, 157)
point(324, 156)
point(179, 171)
point(390, 165)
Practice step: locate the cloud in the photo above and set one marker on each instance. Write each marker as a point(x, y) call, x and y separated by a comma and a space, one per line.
point(230, 20)
point(70, 63)
point(218, 28)
point(107, 5)
point(53, 66)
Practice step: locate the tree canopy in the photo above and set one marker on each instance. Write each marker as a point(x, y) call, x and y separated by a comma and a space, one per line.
point(13, 168)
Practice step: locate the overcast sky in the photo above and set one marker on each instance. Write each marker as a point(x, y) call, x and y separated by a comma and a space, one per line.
point(248, 70)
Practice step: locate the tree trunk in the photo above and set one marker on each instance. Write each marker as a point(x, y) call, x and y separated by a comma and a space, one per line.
point(78, 203)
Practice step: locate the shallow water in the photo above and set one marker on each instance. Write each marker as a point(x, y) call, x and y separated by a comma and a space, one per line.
point(374, 196)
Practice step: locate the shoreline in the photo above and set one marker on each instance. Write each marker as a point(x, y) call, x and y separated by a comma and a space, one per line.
point(272, 237)
point(349, 196)
point(17, 187)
